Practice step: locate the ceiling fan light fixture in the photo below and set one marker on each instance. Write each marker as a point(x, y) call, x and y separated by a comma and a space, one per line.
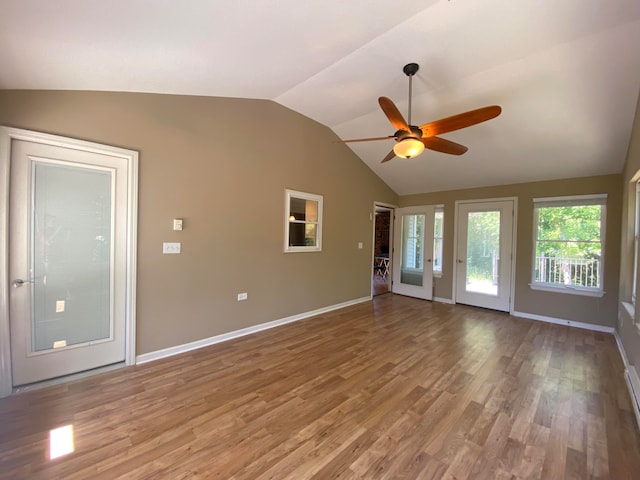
point(408, 148)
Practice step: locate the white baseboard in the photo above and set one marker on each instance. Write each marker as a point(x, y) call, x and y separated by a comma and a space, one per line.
point(630, 372)
point(560, 321)
point(168, 352)
point(443, 300)
point(633, 384)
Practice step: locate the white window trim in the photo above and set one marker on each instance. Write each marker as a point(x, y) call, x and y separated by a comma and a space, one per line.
point(287, 213)
point(573, 200)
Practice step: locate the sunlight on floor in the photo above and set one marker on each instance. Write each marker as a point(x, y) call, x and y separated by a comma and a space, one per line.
point(60, 441)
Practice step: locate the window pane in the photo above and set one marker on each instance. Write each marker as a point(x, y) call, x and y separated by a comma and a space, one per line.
point(437, 255)
point(569, 223)
point(303, 210)
point(437, 224)
point(302, 234)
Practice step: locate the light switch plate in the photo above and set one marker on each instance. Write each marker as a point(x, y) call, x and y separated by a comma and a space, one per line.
point(177, 224)
point(170, 247)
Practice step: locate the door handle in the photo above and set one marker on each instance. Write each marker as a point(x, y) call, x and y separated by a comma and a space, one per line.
point(429, 260)
point(460, 261)
point(18, 282)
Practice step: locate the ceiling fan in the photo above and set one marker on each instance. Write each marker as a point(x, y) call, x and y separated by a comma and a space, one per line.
point(412, 140)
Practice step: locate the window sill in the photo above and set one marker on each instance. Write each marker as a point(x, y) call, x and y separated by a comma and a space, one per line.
point(568, 290)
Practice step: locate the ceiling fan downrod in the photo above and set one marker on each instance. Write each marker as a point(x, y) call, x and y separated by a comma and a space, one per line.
point(410, 70)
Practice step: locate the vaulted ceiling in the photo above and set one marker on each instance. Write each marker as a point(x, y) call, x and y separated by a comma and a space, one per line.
point(566, 73)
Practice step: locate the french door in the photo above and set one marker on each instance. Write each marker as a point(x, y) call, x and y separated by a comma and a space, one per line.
point(413, 251)
point(483, 259)
point(71, 247)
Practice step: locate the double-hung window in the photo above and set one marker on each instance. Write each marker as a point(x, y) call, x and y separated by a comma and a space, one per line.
point(303, 222)
point(569, 244)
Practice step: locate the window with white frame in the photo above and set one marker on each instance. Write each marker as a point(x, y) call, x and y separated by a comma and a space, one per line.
point(438, 231)
point(303, 222)
point(569, 244)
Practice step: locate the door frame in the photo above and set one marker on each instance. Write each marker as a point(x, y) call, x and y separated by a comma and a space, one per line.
point(372, 218)
point(514, 231)
point(7, 135)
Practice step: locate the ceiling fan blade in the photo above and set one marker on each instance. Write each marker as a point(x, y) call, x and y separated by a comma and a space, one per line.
point(389, 156)
point(445, 146)
point(459, 121)
point(365, 139)
point(393, 114)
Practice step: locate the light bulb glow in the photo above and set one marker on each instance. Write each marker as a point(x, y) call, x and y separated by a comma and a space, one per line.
point(408, 148)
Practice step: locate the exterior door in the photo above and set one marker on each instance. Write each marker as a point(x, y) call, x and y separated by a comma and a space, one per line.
point(69, 259)
point(413, 252)
point(484, 254)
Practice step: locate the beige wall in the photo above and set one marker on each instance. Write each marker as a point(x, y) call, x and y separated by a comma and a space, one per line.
point(627, 330)
point(222, 165)
point(600, 311)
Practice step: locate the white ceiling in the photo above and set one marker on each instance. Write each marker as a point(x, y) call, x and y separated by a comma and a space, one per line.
point(566, 72)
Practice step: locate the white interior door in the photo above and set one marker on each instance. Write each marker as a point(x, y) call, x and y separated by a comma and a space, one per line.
point(413, 251)
point(69, 259)
point(484, 254)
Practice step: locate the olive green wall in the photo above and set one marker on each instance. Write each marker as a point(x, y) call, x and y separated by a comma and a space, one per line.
point(627, 330)
point(223, 166)
point(599, 311)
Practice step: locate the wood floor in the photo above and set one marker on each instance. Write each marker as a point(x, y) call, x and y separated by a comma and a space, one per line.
point(395, 388)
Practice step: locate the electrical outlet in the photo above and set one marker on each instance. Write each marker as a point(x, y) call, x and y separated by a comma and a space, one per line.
point(242, 296)
point(171, 247)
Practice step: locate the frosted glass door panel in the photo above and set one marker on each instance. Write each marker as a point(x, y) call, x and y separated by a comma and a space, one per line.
point(71, 252)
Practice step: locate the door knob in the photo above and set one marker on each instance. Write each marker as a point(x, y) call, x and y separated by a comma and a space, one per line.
point(18, 282)
point(460, 261)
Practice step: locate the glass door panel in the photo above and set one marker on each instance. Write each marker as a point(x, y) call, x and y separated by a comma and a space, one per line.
point(71, 240)
point(483, 252)
point(412, 268)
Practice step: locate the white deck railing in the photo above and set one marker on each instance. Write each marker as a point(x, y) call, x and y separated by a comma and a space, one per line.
point(580, 272)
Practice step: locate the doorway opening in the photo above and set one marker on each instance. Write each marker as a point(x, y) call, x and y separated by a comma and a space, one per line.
point(381, 268)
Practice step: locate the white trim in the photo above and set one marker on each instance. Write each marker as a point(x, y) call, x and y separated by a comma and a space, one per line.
point(633, 385)
point(568, 289)
point(443, 300)
point(571, 198)
point(569, 323)
point(631, 378)
point(7, 134)
point(6, 381)
point(205, 342)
